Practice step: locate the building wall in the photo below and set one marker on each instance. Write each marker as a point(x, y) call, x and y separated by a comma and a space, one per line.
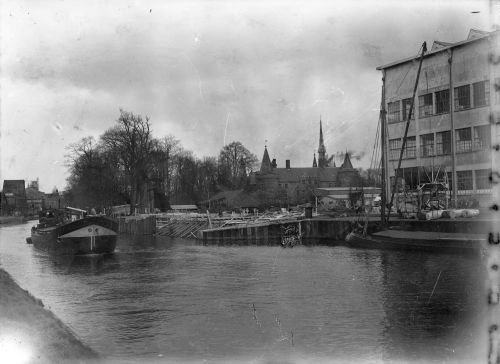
point(469, 65)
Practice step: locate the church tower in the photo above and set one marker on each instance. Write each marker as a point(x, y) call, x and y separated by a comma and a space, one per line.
point(322, 162)
point(315, 165)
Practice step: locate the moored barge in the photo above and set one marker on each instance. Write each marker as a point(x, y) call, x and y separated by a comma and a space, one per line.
point(85, 235)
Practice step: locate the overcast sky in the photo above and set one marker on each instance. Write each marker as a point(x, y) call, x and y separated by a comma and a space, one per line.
point(207, 72)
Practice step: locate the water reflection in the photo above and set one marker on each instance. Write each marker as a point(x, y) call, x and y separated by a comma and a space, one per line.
point(434, 306)
point(181, 299)
point(83, 264)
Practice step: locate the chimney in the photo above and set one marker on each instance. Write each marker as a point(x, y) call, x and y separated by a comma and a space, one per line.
point(288, 164)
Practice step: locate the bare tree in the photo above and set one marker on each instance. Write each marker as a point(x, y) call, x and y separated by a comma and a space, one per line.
point(235, 162)
point(132, 140)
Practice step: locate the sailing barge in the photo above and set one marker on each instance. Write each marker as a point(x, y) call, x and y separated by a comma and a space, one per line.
point(79, 236)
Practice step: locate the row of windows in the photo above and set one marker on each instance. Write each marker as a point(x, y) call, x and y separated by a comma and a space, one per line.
point(439, 102)
point(465, 179)
point(432, 144)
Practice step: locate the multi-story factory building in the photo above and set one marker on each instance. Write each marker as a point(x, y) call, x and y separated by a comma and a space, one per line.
point(454, 122)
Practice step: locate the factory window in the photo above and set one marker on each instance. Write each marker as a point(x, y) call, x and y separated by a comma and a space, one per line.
point(443, 143)
point(410, 147)
point(481, 93)
point(442, 101)
point(424, 105)
point(410, 176)
point(462, 97)
point(406, 109)
point(394, 149)
point(464, 180)
point(464, 140)
point(483, 179)
point(427, 145)
point(393, 114)
point(482, 137)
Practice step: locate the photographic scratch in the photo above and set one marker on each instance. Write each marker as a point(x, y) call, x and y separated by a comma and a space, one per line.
point(227, 123)
point(198, 75)
point(435, 284)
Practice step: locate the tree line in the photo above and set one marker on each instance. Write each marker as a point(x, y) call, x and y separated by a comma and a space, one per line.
point(128, 165)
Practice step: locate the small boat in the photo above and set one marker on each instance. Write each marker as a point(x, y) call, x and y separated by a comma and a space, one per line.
point(418, 240)
point(76, 236)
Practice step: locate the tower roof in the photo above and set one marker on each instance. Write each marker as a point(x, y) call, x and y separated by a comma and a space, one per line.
point(314, 161)
point(347, 161)
point(265, 166)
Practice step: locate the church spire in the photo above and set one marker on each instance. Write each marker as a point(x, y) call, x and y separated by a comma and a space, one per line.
point(321, 148)
point(315, 165)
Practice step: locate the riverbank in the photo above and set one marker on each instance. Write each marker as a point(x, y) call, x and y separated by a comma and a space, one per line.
point(11, 220)
point(31, 333)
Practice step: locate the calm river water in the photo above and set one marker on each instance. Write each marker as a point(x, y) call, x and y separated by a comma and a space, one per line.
point(177, 300)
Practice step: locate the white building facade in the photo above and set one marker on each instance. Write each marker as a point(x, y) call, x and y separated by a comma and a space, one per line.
point(454, 123)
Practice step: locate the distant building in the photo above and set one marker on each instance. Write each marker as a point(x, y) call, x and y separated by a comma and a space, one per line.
point(34, 198)
point(13, 199)
point(53, 200)
point(450, 135)
point(292, 185)
point(235, 199)
point(346, 197)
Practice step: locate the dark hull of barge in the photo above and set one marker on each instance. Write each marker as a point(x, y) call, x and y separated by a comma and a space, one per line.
point(90, 235)
point(419, 240)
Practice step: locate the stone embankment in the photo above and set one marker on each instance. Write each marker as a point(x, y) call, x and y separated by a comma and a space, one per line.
point(29, 333)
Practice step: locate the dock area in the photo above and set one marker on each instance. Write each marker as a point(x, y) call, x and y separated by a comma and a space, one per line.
point(280, 229)
point(332, 231)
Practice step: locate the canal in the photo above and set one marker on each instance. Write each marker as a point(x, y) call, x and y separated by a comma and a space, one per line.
point(177, 300)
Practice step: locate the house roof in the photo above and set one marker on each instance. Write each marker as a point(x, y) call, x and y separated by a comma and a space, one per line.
point(297, 174)
point(235, 198)
point(183, 207)
point(438, 46)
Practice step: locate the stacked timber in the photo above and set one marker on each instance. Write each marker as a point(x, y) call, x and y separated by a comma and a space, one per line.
point(184, 226)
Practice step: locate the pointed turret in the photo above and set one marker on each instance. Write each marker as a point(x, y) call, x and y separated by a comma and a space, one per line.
point(321, 148)
point(266, 162)
point(347, 161)
point(315, 165)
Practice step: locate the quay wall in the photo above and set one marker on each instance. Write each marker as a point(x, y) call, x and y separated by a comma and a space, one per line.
point(331, 231)
point(322, 230)
point(313, 231)
point(137, 225)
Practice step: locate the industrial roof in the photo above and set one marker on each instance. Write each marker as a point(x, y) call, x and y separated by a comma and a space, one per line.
point(438, 46)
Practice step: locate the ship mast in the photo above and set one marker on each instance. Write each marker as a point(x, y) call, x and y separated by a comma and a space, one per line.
point(383, 152)
point(424, 49)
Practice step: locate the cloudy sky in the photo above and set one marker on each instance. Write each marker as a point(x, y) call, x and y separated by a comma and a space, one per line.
point(207, 72)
